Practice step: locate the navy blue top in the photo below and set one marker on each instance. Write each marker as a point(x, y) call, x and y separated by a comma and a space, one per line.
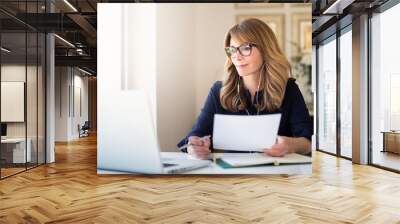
point(295, 119)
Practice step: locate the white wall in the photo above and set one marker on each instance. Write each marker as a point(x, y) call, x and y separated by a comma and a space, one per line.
point(175, 72)
point(79, 117)
point(15, 72)
point(67, 81)
point(140, 50)
point(33, 127)
point(212, 21)
point(61, 103)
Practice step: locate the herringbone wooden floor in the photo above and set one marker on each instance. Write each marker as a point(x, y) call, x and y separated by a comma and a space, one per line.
point(70, 191)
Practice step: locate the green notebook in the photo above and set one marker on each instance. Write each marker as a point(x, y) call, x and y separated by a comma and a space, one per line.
point(258, 159)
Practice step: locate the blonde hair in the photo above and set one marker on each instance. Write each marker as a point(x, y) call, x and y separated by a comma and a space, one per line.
point(274, 73)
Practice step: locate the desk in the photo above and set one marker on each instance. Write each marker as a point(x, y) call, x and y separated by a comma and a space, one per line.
point(391, 141)
point(216, 169)
point(17, 151)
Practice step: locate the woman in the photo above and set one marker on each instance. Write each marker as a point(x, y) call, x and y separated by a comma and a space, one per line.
point(257, 83)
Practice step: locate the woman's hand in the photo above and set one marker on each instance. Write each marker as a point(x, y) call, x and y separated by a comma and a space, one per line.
point(280, 148)
point(199, 147)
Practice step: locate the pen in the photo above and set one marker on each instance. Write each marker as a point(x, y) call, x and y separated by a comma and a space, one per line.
point(189, 144)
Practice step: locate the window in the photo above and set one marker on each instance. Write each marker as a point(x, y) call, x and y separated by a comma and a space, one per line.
point(22, 77)
point(385, 89)
point(346, 93)
point(327, 96)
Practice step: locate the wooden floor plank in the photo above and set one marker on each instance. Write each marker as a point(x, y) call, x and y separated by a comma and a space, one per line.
point(70, 191)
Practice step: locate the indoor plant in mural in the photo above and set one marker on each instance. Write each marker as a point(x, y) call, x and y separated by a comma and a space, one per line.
point(301, 71)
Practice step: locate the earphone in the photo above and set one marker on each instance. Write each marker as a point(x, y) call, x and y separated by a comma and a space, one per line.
point(258, 89)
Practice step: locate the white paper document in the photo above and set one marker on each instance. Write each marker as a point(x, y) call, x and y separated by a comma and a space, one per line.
point(245, 133)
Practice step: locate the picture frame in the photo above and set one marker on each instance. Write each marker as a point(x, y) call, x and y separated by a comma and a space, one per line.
point(302, 33)
point(275, 21)
point(254, 5)
point(299, 5)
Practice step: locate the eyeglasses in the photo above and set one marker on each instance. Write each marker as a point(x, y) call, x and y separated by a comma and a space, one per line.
point(244, 49)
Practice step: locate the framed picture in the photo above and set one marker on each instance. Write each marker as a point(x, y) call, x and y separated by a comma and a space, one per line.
point(302, 33)
point(305, 36)
point(299, 5)
point(257, 5)
point(301, 48)
point(275, 21)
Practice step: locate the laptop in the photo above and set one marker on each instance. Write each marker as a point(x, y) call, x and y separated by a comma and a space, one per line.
point(127, 140)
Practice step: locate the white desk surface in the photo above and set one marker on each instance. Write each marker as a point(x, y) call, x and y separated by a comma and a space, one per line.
point(13, 140)
point(216, 169)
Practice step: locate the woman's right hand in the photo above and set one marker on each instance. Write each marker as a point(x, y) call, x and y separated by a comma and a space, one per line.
point(199, 147)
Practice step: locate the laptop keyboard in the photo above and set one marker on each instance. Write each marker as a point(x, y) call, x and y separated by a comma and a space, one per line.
point(168, 164)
